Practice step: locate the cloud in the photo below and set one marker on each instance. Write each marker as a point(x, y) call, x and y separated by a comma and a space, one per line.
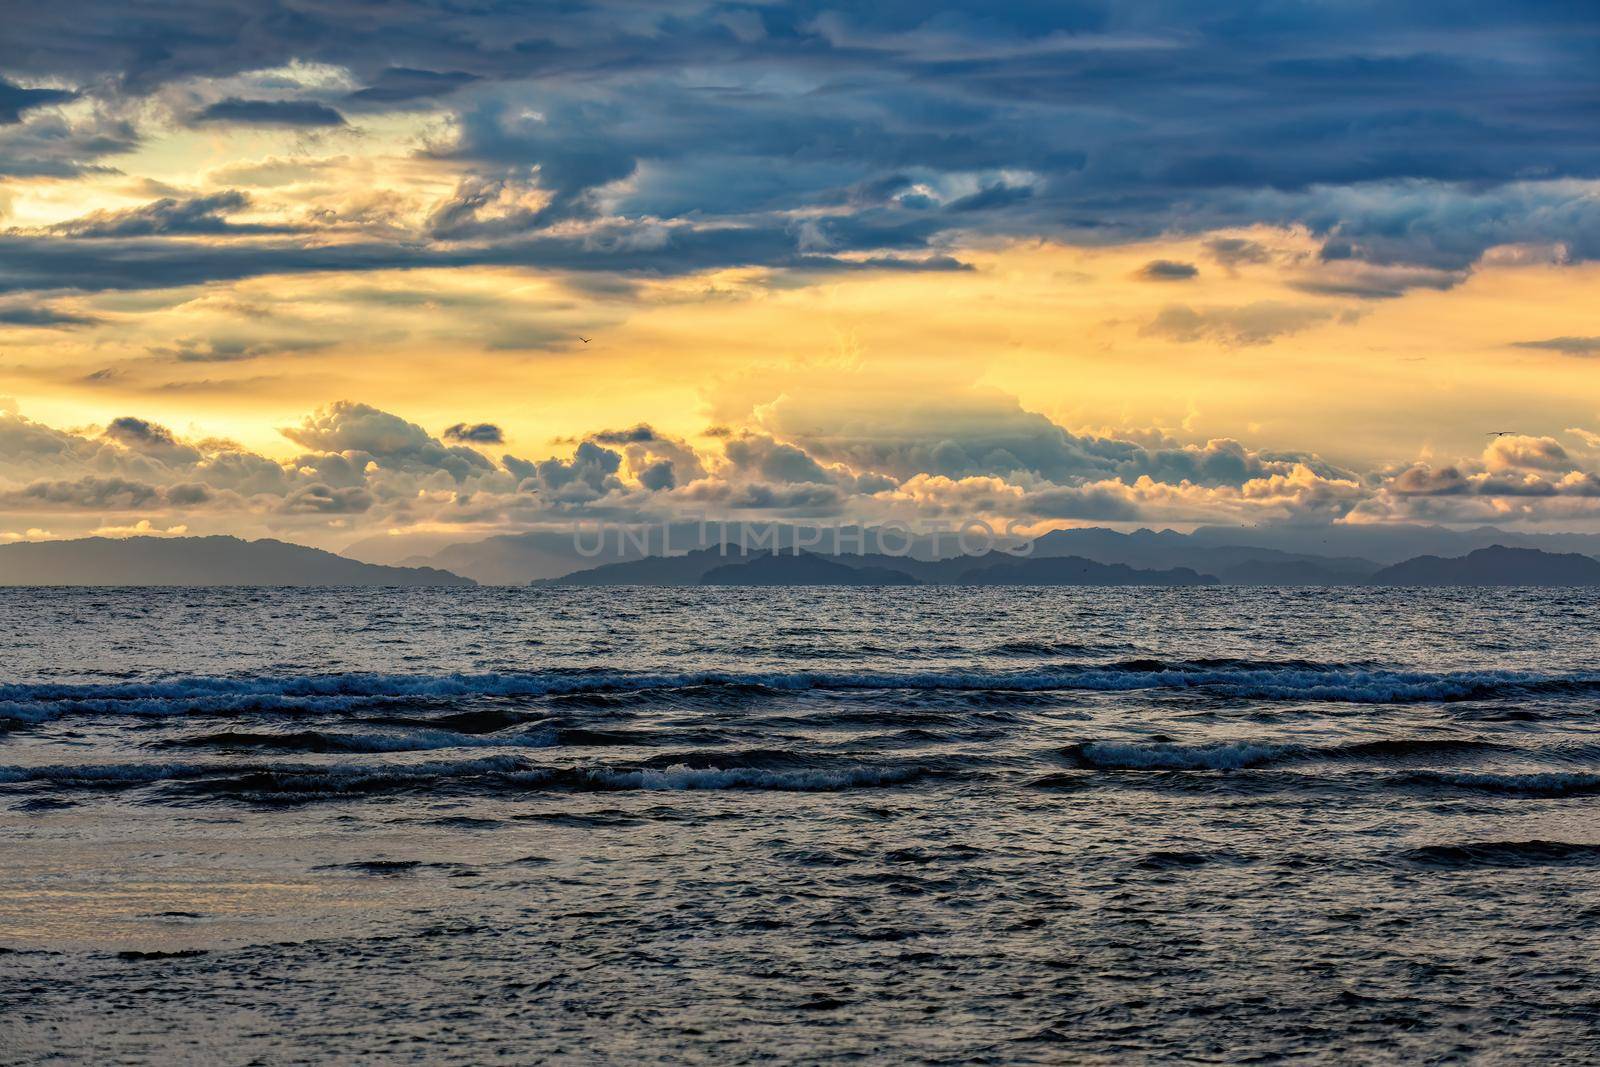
point(268, 113)
point(1252, 324)
point(978, 454)
point(196, 215)
point(774, 460)
point(89, 492)
point(362, 433)
point(965, 435)
point(320, 499)
point(590, 474)
point(786, 137)
point(276, 171)
point(1520, 452)
point(1518, 478)
point(395, 85)
point(998, 195)
point(1234, 252)
point(139, 433)
point(14, 100)
point(634, 435)
point(54, 145)
point(150, 439)
point(477, 433)
point(1345, 276)
point(655, 460)
point(43, 317)
point(32, 262)
point(235, 349)
point(1586, 347)
point(1167, 270)
point(1422, 480)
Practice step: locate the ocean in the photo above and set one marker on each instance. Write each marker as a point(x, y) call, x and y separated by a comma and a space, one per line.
point(934, 825)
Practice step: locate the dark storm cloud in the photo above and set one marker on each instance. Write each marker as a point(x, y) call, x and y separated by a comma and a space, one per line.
point(43, 318)
point(995, 196)
point(14, 100)
point(1408, 133)
point(51, 145)
point(269, 113)
point(403, 84)
point(476, 433)
point(30, 262)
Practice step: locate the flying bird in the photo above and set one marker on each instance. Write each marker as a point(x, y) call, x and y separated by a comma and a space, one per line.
point(1504, 433)
point(582, 338)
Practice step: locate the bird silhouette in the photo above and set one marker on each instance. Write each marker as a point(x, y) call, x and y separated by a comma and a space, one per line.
point(584, 339)
point(1504, 433)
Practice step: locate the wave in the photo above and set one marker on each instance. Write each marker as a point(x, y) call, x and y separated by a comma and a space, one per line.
point(501, 774)
point(1049, 649)
point(333, 741)
point(1530, 784)
point(1502, 854)
point(1244, 679)
point(1162, 756)
point(424, 739)
point(1240, 755)
point(820, 780)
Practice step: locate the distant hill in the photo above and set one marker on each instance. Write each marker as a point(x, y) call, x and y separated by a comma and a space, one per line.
point(198, 561)
point(1387, 543)
point(1233, 563)
point(691, 568)
point(515, 559)
point(1496, 565)
point(1075, 570)
point(804, 569)
point(686, 569)
point(711, 567)
point(1288, 555)
point(544, 555)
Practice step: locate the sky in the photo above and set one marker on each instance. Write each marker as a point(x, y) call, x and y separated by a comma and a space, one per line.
point(326, 270)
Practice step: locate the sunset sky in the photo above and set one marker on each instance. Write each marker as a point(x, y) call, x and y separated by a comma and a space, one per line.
point(322, 270)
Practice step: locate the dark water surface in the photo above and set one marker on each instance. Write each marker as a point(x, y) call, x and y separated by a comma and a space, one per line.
point(666, 825)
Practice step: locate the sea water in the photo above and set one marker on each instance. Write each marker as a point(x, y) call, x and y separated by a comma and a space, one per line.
point(796, 825)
